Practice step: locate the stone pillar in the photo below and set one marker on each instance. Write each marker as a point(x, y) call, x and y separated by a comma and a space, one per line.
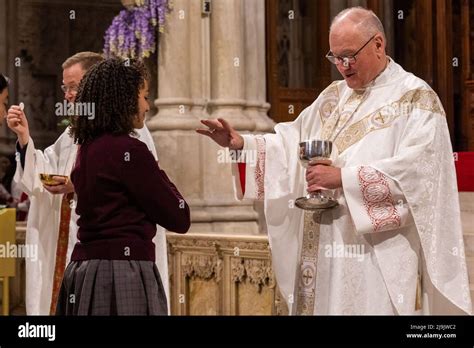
point(228, 63)
point(199, 53)
point(195, 78)
point(173, 127)
point(174, 72)
point(256, 106)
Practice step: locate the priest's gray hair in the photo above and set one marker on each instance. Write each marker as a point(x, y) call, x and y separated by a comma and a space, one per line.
point(363, 19)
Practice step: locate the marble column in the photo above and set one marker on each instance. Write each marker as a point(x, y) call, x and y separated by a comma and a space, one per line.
point(256, 106)
point(174, 71)
point(179, 76)
point(196, 82)
point(228, 63)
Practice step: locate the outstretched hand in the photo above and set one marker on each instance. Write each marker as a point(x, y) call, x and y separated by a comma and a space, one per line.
point(222, 133)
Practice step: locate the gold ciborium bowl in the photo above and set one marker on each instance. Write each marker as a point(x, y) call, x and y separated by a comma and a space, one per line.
point(47, 179)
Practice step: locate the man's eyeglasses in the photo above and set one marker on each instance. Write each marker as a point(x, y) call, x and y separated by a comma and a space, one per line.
point(346, 60)
point(71, 89)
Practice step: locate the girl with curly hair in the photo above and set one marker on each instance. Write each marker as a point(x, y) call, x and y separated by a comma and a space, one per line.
point(121, 195)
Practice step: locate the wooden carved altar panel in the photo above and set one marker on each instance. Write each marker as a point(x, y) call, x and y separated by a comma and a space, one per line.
point(214, 274)
point(201, 277)
point(252, 286)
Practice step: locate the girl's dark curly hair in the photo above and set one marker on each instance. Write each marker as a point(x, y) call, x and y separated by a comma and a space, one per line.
point(113, 85)
point(3, 82)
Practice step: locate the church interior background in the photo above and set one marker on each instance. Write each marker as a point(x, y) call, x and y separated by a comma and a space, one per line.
point(253, 62)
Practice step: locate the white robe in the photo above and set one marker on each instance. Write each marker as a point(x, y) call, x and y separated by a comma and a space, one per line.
point(42, 227)
point(397, 228)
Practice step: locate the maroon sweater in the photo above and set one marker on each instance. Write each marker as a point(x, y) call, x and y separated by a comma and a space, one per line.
point(121, 195)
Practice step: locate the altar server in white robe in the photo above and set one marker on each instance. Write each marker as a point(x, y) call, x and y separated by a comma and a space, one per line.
point(394, 245)
point(52, 221)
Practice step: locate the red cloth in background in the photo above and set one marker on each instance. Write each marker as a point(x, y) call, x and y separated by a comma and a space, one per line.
point(242, 176)
point(465, 171)
point(21, 215)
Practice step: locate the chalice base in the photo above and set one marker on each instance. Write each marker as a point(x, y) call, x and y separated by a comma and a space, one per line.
point(315, 202)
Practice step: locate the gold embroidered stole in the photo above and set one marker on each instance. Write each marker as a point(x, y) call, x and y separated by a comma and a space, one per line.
point(337, 123)
point(308, 266)
point(334, 125)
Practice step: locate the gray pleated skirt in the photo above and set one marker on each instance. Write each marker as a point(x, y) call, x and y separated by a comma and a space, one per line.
point(112, 287)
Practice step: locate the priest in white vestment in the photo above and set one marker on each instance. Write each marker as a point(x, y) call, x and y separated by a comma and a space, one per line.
point(394, 244)
point(47, 213)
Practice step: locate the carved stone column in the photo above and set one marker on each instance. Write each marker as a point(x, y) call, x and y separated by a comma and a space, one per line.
point(209, 67)
point(228, 63)
point(256, 106)
point(174, 72)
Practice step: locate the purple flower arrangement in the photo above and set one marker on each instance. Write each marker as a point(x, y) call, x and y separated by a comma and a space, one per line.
point(133, 31)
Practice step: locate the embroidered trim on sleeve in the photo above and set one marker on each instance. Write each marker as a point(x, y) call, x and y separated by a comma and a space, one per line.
point(378, 199)
point(260, 168)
